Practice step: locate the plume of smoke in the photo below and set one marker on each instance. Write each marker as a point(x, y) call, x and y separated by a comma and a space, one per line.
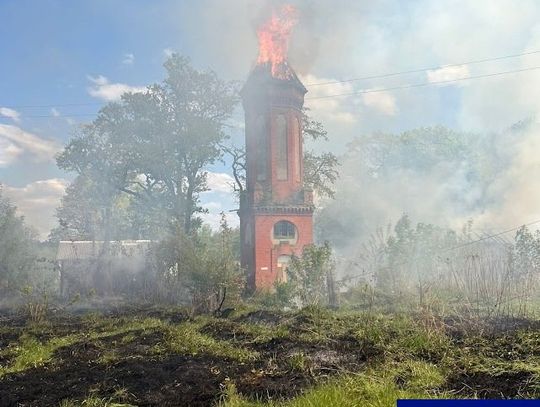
point(514, 195)
point(492, 182)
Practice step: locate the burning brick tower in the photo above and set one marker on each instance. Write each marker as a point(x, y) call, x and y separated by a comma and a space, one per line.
point(276, 212)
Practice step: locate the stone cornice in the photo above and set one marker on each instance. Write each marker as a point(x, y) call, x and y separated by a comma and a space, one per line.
point(283, 209)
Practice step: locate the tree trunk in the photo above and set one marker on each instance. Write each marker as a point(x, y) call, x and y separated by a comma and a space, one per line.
point(104, 254)
point(188, 215)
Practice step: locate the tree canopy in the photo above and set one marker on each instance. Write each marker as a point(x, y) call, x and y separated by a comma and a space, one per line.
point(16, 246)
point(155, 146)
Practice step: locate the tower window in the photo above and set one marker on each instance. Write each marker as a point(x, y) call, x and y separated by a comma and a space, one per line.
point(261, 148)
point(297, 143)
point(281, 148)
point(284, 230)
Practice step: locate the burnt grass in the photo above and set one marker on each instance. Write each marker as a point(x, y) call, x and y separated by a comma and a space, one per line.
point(294, 352)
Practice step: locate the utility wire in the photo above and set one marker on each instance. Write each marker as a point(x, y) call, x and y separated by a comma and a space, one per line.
point(311, 84)
point(423, 84)
point(54, 105)
point(478, 61)
point(361, 92)
point(490, 236)
point(52, 116)
point(454, 247)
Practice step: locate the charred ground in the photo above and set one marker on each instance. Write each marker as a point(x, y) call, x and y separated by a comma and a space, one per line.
point(159, 357)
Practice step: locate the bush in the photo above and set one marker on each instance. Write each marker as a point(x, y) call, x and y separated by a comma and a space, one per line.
point(203, 267)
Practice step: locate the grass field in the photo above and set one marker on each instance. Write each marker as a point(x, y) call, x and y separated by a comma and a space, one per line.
point(313, 357)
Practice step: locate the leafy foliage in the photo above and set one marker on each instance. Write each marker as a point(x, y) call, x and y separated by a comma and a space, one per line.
point(308, 281)
point(526, 256)
point(411, 254)
point(311, 271)
point(17, 247)
point(155, 146)
point(320, 170)
point(205, 266)
point(438, 270)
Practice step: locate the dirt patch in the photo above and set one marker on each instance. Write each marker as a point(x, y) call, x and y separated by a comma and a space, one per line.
point(8, 337)
point(174, 380)
point(286, 367)
point(459, 328)
point(78, 370)
point(261, 317)
point(336, 354)
point(484, 385)
point(228, 331)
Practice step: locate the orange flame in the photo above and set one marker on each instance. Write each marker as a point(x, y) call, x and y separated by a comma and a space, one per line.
point(273, 38)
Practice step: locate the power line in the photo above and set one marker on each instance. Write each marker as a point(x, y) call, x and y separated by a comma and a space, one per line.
point(423, 84)
point(490, 236)
point(308, 85)
point(361, 92)
point(478, 61)
point(52, 116)
point(448, 249)
point(53, 105)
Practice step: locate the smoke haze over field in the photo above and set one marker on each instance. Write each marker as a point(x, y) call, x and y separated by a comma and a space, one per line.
point(487, 178)
point(494, 183)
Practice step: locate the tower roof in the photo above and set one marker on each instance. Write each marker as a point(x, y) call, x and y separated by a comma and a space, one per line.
point(262, 75)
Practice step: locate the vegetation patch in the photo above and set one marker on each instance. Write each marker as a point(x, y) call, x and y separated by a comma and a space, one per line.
point(29, 352)
point(187, 339)
point(311, 357)
point(377, 387)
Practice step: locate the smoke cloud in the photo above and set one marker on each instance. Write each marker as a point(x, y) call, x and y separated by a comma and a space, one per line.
point(493, 183)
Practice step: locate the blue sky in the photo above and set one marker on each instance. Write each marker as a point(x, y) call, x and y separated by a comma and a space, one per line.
point(57, 53)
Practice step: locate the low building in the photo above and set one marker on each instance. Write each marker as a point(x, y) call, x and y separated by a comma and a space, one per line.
point(93, 266)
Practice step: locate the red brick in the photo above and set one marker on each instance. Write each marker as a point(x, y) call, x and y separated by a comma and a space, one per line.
point(270, 201)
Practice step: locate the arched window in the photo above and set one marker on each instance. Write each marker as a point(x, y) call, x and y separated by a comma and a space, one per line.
point(284, 230)
point(297, 138)
point(261, 148)
point(281, 148)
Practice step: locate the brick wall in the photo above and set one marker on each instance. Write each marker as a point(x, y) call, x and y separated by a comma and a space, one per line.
point(270, 199)
point(267, 251)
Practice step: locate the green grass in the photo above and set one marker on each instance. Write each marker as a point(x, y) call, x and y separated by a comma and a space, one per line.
point(93, 401)
point(186, 338)
point(29, 352)
point(377, 387)
point(508, 354)
point(403, 356)
point(250, 333)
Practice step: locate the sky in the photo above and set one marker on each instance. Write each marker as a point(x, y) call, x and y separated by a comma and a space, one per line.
point(60, 61)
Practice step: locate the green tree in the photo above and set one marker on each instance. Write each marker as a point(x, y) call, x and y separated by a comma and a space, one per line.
point(320, 169)
point(411, 255)
point(81, 215)
point(205, 265)
point(526, 255)
point(155, 146)
point(17, 244)
point(311, 275)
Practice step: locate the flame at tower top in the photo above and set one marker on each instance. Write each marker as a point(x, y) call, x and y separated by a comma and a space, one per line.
point(273, 38)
